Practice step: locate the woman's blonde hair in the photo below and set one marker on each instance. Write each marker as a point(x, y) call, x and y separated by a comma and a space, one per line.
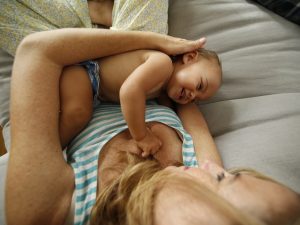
point(114, 202)
point(130, 199)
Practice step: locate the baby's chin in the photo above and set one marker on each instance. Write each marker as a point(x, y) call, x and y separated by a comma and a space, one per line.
point(177, 100)
point(181, 102)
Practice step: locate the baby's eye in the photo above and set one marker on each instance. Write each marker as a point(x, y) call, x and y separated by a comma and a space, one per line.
point(199, 87)
point(220, 176)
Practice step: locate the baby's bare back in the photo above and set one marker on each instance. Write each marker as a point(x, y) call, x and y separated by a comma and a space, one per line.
point(114, 70)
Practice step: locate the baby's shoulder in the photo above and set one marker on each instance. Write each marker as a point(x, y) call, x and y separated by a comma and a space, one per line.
point(156, 53)
point(159, 58)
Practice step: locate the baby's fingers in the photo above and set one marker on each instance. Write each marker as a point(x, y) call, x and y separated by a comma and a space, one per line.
point(132, 147)
point(145, 154)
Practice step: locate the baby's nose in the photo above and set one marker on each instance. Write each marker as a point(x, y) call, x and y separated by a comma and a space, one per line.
point(192, 95)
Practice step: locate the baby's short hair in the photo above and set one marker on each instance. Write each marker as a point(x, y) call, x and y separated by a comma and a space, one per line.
point(210, 55)
point(205, 53)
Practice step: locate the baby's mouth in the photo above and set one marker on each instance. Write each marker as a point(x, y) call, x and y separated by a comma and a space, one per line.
point(182, 94)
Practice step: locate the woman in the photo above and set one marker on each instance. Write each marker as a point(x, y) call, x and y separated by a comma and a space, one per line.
point(49, 60)
point(37, 171)
point(175, 193)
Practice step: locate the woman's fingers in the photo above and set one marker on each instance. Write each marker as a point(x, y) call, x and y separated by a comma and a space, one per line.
point(201, 42)
point(177, 46)
point(194, 45)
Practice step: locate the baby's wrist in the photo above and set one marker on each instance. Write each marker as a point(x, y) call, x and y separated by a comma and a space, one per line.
point(140, 136)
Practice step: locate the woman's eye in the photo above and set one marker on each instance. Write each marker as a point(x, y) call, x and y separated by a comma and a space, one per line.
point(220, 176)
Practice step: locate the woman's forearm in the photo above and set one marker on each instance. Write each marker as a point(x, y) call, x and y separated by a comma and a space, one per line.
point(195, 124)
point(73, 45)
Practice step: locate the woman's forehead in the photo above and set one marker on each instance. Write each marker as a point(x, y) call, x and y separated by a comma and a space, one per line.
point(248, 186)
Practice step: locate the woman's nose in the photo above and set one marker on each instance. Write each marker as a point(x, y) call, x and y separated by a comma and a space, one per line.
point(214, 169)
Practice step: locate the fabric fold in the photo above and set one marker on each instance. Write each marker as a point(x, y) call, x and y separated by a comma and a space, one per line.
point(19, 18)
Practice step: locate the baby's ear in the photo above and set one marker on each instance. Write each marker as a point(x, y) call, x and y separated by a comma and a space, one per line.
point(190, 57)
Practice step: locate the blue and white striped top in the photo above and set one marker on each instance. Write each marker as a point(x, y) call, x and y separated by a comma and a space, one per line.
point(107, 122)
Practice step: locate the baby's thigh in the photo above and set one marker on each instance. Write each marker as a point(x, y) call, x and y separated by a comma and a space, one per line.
point(75, 89)
point(171, 150)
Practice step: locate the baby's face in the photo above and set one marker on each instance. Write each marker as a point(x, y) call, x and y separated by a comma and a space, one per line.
point(197, 80)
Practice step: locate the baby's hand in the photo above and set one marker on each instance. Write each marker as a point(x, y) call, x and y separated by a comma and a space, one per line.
point(150, 144)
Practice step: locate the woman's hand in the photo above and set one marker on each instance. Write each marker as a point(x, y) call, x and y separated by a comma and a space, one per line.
point(174, 46)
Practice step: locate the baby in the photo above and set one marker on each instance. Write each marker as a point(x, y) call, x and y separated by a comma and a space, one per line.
point(132, 78)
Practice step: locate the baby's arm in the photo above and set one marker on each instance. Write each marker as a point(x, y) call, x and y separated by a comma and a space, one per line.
point(148, 78)
point(195, 124)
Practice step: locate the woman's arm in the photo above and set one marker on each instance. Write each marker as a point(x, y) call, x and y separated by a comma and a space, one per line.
point(72, 45)
point(39, 183)
point(195, 124)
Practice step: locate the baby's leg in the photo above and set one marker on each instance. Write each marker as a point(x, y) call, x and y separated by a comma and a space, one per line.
point(76, 102)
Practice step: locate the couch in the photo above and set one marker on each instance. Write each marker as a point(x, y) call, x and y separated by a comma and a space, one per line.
point(255, 117)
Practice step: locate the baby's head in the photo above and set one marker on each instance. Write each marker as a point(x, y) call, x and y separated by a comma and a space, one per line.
point(197, 75)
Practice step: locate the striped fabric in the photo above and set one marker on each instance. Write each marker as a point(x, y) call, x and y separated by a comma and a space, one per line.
point(107, 122)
